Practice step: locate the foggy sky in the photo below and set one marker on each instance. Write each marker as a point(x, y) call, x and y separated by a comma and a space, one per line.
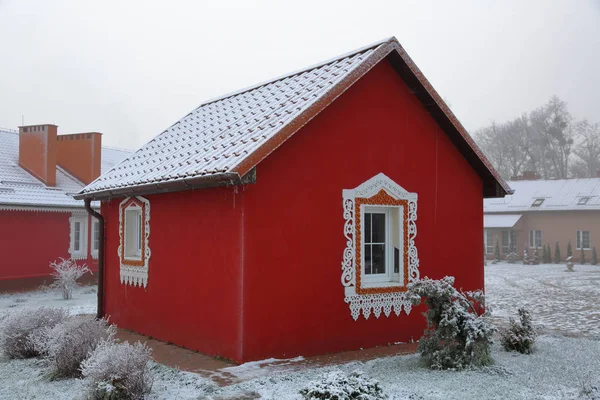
point(130, 69)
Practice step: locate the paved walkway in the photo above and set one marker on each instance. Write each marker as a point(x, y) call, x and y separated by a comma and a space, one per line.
point(224, 373)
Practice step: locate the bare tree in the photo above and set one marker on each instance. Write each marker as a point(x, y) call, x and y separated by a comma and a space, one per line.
point(586, 150)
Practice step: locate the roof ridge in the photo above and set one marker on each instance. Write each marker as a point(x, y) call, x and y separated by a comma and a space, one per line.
point(297, 72)
point(118, 149)
point(7, 130)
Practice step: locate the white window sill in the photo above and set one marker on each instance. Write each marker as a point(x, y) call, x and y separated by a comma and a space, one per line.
point(367, 284)
point(133, 258)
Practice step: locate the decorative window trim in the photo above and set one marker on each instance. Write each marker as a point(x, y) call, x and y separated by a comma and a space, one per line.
point(379, 190)
point(134, 272)
point(82, 218)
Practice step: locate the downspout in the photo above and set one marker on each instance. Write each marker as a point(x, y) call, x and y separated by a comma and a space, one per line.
point(98, 216)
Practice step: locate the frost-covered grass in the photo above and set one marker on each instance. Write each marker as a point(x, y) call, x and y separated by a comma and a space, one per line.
point(565, 303)
point(83, 301)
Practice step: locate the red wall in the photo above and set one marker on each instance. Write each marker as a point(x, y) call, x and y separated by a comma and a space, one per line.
point(29, 241)
point(194, 286)
point(293, 296)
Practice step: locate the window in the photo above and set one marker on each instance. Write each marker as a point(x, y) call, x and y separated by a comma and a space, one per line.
point(488, 240)
point(535, 239)
point(380, 258)
point(95, 237)
point(537, 202)
point(381, 243)
point(583, 200)
point(509, 241)
point(79, 236)
point(583, 240)
point(134, 232)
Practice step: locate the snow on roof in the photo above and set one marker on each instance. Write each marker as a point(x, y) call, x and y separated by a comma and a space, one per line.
point(500, 220)
point(223, 139)
point(548, 195)
point(19, 188)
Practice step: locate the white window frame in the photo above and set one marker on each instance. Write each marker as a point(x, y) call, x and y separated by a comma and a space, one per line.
point(134, 269)
point(82, 220)
point(579, 240)
point(487, 234)
point(533, 235)
point(377, 298)
point(389, 278)
point(95, 228)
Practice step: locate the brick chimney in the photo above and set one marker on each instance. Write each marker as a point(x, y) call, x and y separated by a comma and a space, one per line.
point(80, 154)
point(37, 151)
point(529, 176)
point(598, 173)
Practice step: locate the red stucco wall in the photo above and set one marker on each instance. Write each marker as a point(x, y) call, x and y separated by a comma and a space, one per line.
point(192, 298)
point(29, 241)
point(282, 296)
point(293, 296)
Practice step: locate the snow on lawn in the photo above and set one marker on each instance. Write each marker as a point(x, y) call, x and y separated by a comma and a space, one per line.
point(564, 303)
point(84, 300)
point(559, 300)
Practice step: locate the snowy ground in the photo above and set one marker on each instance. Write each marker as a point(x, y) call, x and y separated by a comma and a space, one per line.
point(83, 302)
point(567, 359)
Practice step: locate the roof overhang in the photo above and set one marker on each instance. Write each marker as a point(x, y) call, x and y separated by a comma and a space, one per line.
point(500, 220)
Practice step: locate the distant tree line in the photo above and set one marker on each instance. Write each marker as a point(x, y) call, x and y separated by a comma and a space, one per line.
point(547, 141)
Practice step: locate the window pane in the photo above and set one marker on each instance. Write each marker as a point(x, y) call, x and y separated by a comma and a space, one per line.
point(378, 228)
point(139, 229)
point(378, 258)
point(77, 236)
point(368, 262)
point(578, 240)
point(367, 228)
point(586, 239)
point(396, 260)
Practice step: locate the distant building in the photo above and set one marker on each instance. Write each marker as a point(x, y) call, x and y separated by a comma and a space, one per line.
point(39, 219)
point(542, 212)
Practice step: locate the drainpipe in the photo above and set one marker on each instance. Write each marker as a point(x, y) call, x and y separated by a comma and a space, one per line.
point(98, 216)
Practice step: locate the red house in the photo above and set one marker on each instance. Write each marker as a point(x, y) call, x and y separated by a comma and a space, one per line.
point(40, 221)
point(288, 218)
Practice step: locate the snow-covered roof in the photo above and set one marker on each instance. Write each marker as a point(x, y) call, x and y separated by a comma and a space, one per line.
point(548, 195)
point(500, 220)
point(19, 188)
point(223, 139)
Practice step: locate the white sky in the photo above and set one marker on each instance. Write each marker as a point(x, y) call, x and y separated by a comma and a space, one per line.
point(130, 69)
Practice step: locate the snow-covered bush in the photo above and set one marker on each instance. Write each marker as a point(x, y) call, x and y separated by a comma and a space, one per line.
point(20, 329)
point(118, 371)
point(594, 259)
point(66, 272)
point(69, 343)
point(512, 258)
point(557, 258)
point(337, 385)
point(458, 332)
point(520, 336)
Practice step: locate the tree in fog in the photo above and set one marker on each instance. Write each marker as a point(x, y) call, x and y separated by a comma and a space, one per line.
point(586, 150)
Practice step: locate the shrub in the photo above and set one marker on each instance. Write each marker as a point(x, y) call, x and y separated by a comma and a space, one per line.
point(118, 371)
point(20, 329)
point(458, 332)
point(582, 257)
point(594, 259)
point(557, 258)
point(512, 258)
point(569, 250)
point(520, 336)
point(69, 343)
point(497, 252)
point(337, 385)
point(66, 273)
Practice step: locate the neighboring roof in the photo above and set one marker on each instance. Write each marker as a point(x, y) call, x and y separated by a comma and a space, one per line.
point(19, 188)
point(500, 220)
point(550, 195)
point(223, 139)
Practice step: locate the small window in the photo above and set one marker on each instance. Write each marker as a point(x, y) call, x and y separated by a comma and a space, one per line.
point(535, 239)
point(488, 239)
point(583, 240)
point(79, 237)
point(583, 200)
point(537, 202)
point(133, 233)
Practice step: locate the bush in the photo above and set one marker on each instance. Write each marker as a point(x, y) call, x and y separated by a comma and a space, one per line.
point(557, 258)
point(20, 329)
point(118, 371)
point(69, 343)
point(66, 273)
point(458, 332)
point(594, 259)
point(512, 258)
point(337, 385)
point(497, 252)
point(582, 257)
point(520, 336)
point(569, 250)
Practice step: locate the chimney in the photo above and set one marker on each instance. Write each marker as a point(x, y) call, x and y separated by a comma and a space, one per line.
point(598, 173)
point(529, 176)
point(79, 154)
point(37, 151)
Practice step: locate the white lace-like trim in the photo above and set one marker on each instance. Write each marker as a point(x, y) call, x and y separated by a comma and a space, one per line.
point(135, 275)
point(383, 302)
